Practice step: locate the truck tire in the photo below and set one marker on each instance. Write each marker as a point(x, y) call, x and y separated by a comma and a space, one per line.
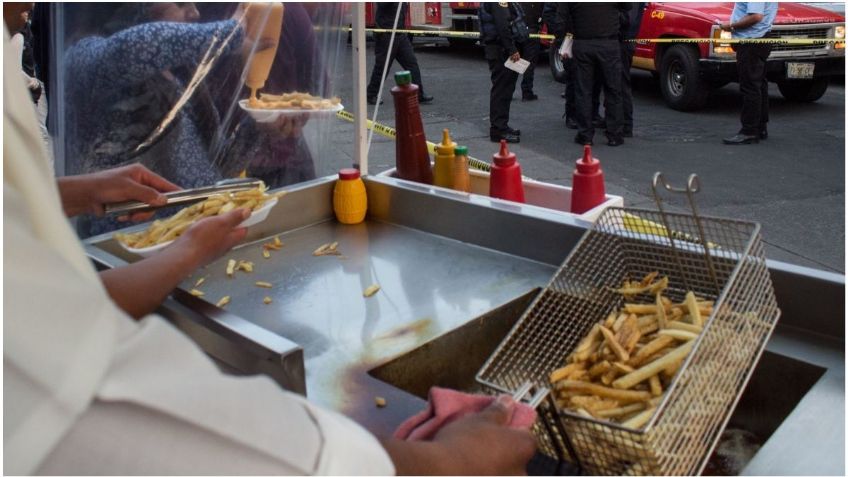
point(555, 61)
point(680, 82)
point(803, 90)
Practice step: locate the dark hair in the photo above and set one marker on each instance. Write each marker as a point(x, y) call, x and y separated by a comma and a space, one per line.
point(101, 19)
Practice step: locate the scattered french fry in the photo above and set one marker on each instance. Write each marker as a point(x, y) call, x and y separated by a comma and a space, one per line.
point(231, 267)
point(380, 401)
point(223, 301)
point(266, 300)
point(264, 285)
point(266, 253)
point(196, 292)
point(199, 282)
point(371, 290)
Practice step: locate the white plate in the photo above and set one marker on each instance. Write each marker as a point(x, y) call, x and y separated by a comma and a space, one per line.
point(257, 216)
point(262, 115)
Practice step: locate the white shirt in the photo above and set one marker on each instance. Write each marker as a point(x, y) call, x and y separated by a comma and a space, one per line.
point(89, 391)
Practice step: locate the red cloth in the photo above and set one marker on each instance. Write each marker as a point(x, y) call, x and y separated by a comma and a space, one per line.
point(446, 405)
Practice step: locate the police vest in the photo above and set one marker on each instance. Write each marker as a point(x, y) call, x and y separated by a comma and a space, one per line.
point(517, 26)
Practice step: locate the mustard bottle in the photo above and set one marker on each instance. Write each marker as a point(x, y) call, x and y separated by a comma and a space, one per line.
point(443, 170)
point(461, 179)
point(350, 201)
point(264, 22)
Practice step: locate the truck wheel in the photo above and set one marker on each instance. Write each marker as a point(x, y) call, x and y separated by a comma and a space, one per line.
point(680, 83)
point(803, 90)
point(557, 68)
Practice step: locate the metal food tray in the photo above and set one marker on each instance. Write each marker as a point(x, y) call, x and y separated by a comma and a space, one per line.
point(695, 408)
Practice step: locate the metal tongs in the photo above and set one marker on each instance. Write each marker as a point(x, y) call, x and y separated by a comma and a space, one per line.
point(185, 197)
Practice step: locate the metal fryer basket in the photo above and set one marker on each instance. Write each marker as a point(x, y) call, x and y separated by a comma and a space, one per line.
point(628, 244)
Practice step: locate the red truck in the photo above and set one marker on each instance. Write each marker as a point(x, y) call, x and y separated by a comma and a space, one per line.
point(688, 70)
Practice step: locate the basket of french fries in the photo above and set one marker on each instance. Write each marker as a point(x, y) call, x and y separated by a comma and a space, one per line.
point(645, 337)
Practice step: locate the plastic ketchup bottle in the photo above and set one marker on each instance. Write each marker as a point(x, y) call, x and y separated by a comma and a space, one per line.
point(505, 181)
point(350, 201)
point(412, 159)
point(587, 186)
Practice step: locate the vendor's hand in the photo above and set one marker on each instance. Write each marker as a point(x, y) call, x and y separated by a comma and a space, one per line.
point(483, 444)
point(725, 26)
point(33, 83)
point(89, 193)
point(286, 125)
point(212, 237)
point(514, 57)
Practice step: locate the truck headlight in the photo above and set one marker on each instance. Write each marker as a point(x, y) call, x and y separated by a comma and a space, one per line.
point(722, 48)
point(839, 34)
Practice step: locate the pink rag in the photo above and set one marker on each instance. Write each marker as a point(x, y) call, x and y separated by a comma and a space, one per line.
point(446, 405)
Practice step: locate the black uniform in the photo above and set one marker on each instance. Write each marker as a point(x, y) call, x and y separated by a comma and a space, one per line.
point(596, 28)
point(531, 48)
point(555, 19)
point(500, 24)
point(401, 50)
point(630, 23)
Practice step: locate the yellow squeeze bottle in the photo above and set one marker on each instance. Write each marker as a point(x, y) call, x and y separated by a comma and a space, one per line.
point(443, 170)
point(350, 201)
point(264, 30)
point(461, 178)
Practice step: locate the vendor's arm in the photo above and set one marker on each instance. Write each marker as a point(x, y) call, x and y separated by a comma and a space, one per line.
point(756, 11)
point(480, 444)
point(89, 193)
point(139, 288)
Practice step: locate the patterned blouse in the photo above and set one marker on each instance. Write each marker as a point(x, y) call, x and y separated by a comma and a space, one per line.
point(121, 87)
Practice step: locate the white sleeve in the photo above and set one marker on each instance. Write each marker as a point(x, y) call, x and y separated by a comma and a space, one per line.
point(179, 414)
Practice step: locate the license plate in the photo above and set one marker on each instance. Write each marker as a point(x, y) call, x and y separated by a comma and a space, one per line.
point(800, 70)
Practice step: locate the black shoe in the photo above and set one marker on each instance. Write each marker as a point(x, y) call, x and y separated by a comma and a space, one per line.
point(531, 96)
point(507, 136)
point(763, 133)
point(614, 141)
point(627, 133)
point(424, 99)
point(517, 132)
point(570, 123)
point(741, 139)
point(373, 100)
point(599, 123)
point(582, 140)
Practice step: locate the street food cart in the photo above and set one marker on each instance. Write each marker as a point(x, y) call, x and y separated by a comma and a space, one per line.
point(457, 271)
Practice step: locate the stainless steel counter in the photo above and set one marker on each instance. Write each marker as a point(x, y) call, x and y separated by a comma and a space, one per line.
point(455, 272)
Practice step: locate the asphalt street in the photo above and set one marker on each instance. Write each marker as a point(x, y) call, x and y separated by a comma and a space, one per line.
point(793, 184)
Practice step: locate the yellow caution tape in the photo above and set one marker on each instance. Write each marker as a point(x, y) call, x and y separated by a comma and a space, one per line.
point(642, 226)
point(543, 36)
point(389, 132)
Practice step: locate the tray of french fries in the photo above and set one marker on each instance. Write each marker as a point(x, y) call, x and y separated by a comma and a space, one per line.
point(161, 233)
point(270, 107)
point(645, 342)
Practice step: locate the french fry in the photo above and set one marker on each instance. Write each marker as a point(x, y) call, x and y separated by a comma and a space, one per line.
point(628, 335)
point(679, 325)
point(565, 371)
point(585, 347)
point(266, 300)
point(231, 267)
point(694, 311)
point(679, 334)
point(662, 322)
point(223, 301)
point(196, 292)
point(656, 387)
point(599, 368)
point(371, 290)
point(603, 391)
point(616, 348)
point(639, 420)
point(638, 309)
point(621, 411)
point(264, 285)
point(654, 367)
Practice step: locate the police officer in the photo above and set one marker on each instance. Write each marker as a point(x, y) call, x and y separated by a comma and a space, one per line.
point(401, 50)
point(531, 48)
point(597, 56)
point(502, 31)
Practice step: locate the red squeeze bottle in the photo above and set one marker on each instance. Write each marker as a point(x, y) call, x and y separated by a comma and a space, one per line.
point(587, 186)
point(505, 179)
point(412, 159)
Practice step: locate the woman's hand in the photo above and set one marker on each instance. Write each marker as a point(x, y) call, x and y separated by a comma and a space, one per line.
point(89, 193)
point(286, 125)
